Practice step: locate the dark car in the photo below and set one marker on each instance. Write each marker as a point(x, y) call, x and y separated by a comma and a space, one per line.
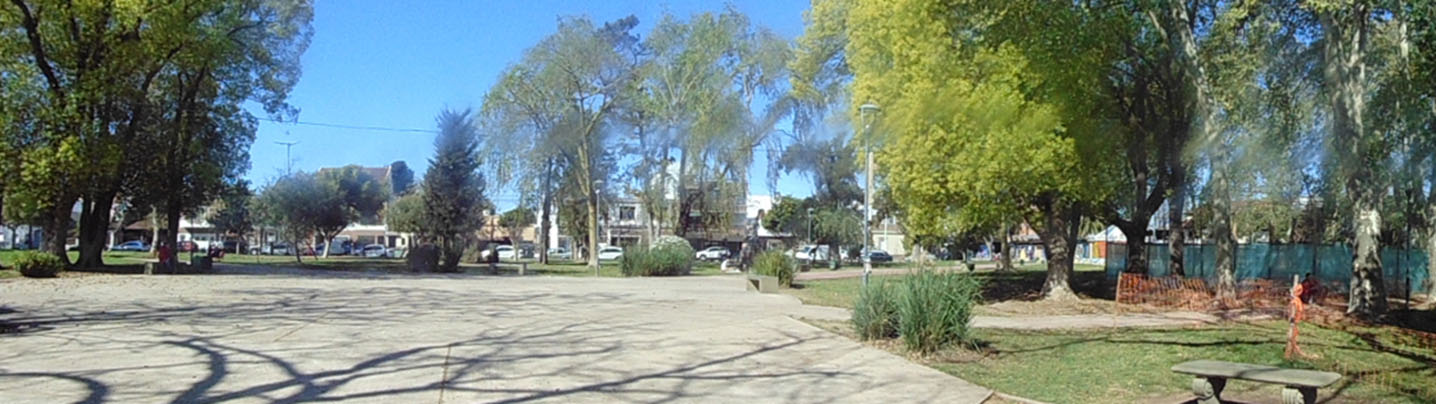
point(880, 256)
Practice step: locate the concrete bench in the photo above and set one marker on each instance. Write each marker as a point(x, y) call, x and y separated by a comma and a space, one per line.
point(763, 283)
point(1210, 377)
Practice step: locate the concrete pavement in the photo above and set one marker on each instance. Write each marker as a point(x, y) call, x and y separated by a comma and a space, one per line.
point(315, 336)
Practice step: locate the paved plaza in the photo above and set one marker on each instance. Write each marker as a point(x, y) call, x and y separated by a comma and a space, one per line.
point(300, 336)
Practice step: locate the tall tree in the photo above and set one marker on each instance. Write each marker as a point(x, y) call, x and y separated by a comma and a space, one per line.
point(969, 132)
point(562, 96)
point(230, 214)
point(453, 189)
point(1347, 28)
point(302, 206)
point(118, 73)
point(401, 178)
point(515, 220)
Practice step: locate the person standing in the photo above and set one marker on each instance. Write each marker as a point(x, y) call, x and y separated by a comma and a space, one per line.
point(166, 257)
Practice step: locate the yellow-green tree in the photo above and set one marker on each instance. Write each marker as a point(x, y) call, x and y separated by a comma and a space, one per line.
point(966, 140)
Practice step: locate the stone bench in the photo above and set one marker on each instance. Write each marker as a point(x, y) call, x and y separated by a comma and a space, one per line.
point(763, 283)
point(1210, 377)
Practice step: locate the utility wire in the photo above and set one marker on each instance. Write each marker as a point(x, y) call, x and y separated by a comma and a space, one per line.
point(355, 127)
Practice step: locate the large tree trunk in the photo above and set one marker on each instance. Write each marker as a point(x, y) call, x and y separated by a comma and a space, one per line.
point(1136, 233)
point(1005, 261)
point(1059, 232)
point(545, 216)
point(1176, 228)
point(1368, 290)
point(94, 226)
point(1223, 233)
point(57, 227)
point(172, 217)
point(1431, 253)
point(592, 206)
point(1347, 34)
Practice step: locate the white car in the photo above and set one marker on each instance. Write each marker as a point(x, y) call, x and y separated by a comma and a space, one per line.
point(559, 254)
point(505, 252)
point(610, 253)
point(714, 253)
point(810, 252)
point(375, 251)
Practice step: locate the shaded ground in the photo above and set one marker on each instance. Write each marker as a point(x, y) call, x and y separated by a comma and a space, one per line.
point(372, 337)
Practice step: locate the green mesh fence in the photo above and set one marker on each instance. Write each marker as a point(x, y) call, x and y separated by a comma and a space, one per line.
point(1403, 269)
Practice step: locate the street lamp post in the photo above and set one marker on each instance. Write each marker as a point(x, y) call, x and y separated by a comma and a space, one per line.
point(810, 236)
point(867, 110)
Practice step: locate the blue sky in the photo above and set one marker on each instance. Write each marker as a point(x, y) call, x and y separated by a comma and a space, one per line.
point(396, 64)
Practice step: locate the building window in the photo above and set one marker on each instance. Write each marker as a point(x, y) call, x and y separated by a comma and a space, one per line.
point(627, 212)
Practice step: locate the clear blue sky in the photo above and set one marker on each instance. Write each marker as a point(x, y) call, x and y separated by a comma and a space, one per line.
point(396, 64)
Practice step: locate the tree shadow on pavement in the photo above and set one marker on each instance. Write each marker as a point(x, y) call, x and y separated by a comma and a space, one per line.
point(242, 344)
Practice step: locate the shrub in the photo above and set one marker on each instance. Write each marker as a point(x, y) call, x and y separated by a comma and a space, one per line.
point(663, 258)
point(423, 258)
point(934, 309)
point(875, 312)
point(33, 264)
point(776, 264)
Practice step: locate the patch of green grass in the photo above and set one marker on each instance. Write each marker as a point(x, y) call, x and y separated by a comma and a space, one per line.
point(830, 292)
point(110, 257)
point(9, 273)
point(1134, 365)
point(1022, 283)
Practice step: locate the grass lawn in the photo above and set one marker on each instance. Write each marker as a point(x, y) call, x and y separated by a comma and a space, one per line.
point(1023, 284)
point(1133, 365)
point(111, 257)
point(351, 263)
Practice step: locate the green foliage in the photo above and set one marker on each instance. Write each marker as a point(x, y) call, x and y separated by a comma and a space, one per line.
point(934, 309)
point(668, 259)
point(231, 213)
point(302, 206)
point(788, 215)
point(35, 264)
point(515, 220)
point(875, 313)
point(401, 178)
point(776, 264)
point(361, 192)
point(453, 189)
point(406, 214)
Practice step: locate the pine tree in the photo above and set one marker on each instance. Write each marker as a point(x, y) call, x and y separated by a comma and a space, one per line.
point(452, 187)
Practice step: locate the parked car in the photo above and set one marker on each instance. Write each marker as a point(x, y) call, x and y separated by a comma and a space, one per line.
point(133, 245)
point(810, 252)
point(340, 248)
point(877, 255)
point(560, 254)
point(231, 247)
point(505, 252)
point(610, 253)
point(375, 251)
point(714, 253)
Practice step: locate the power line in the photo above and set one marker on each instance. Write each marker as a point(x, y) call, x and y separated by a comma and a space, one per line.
point(355, 127)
